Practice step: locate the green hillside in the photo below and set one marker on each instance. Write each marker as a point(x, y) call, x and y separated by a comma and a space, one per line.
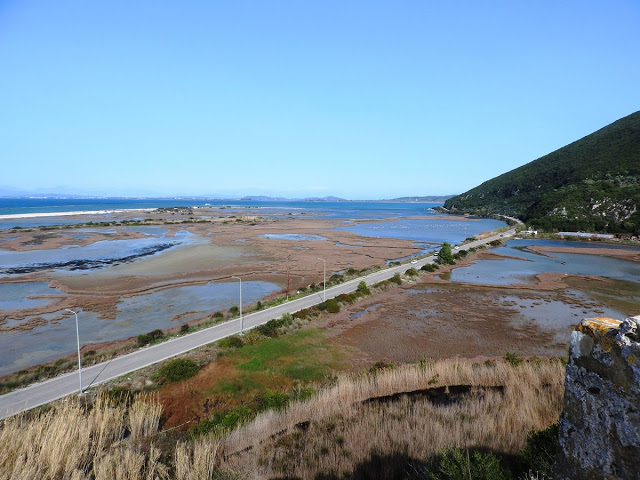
point(592, 184)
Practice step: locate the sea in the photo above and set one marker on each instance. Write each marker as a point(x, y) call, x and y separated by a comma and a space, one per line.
point(32, 206)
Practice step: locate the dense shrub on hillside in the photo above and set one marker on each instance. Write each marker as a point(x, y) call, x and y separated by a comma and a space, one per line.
point(590, 185)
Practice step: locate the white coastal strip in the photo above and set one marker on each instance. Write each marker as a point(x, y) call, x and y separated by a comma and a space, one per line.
point(65, 214)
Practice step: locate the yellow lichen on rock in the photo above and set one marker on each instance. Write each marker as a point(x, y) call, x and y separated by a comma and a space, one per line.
point(597, 325)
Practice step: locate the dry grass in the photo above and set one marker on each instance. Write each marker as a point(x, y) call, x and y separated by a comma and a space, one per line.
point(77, 441)
point(338, 431)
point(196, 461)
point(344, 431)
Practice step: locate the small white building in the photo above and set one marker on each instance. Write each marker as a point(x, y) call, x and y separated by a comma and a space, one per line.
point(586, 234)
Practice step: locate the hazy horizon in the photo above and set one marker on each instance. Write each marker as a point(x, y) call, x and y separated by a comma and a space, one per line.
point(51, 195)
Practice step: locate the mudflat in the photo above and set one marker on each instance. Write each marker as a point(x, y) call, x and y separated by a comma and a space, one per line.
point(217, 249)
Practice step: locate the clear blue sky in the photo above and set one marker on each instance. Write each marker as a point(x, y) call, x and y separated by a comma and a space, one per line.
point(359, 99)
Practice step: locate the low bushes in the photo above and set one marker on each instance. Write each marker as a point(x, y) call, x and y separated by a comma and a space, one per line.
point(332, 306)
point(223, 422)
point(412, 272)
point(151, 337)
point(272, 327)
point(458, 464)
point(176, 370)
point(362, 288)
point(513, 359)
point(345, 299)
point(539, 453)
point(234, 341)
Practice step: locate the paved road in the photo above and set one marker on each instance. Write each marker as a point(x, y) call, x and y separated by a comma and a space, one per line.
point(49, 390)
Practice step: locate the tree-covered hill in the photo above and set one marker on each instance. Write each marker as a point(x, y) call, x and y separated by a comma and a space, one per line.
point(592, 184)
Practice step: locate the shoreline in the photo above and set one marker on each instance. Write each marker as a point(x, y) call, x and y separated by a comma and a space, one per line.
point(14, 216)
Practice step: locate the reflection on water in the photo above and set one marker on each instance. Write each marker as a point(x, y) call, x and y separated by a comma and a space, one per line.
point(554, 312)
point(299, 237)
point(22, 296)
point(136, 315)
point(370, 308)
point(96, 255)
point(150, 230)
point(528, 264)
point(431, 231)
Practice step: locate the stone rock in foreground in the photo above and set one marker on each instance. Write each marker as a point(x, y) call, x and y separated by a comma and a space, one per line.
point(600, 424)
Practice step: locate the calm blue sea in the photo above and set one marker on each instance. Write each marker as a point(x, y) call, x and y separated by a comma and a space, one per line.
point(346, 209)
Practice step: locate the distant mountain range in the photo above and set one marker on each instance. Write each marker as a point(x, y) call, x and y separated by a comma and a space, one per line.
point(262, 198)
point(10, 193)
point(427, 199)
point(592, 184)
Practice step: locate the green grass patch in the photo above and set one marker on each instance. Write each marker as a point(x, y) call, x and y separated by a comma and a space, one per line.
point(302, 356)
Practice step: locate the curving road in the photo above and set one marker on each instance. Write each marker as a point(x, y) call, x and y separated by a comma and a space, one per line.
point(52, 389)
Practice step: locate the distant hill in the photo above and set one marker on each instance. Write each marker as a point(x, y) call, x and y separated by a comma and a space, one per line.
point(592, 184)
point(262, 198)
point(428, 199)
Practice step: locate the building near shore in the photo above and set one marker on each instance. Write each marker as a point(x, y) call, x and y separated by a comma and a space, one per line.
point(587, 235)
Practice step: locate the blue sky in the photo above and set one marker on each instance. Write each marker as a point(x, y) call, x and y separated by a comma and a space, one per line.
point(358, 99)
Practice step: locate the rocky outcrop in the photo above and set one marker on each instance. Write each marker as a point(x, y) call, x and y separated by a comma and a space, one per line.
point(600, 424)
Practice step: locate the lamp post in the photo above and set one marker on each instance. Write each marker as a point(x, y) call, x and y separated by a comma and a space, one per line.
point(78, 339)
point(241, 320)
point(287, 284)
point(324, 280)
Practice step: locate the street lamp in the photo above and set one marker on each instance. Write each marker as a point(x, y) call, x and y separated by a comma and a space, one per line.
point(78, 339)
point(241, 320)
point(324, 280)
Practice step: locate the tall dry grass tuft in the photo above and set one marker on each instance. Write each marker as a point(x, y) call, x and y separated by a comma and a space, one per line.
point(130, 464)
point(338, 430)
point(196, 461)
point(77, 440)
point(144, 416)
